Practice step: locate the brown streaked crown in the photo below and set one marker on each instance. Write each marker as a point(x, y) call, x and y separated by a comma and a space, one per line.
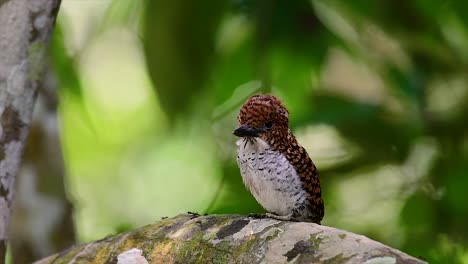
point(263, 108)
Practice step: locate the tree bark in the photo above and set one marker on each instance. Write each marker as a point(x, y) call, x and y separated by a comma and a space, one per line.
point(25, 27)
point(232, 239)
point(42, 220)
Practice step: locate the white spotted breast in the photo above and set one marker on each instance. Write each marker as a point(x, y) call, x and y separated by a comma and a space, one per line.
point(269, 176)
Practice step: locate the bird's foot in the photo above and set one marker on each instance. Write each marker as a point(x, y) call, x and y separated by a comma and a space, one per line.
point(288, 217)
point(273, 216)
point(256, 215)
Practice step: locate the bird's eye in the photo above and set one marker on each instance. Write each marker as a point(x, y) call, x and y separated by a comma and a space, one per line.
point(268, 124)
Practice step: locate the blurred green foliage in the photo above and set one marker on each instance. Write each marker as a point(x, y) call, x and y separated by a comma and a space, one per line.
point(377, 91)
point(179, 47)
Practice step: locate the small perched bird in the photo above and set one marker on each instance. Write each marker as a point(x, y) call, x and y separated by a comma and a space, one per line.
point(274, 167)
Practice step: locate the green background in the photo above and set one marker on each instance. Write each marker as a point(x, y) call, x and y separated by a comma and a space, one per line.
point(377, 93)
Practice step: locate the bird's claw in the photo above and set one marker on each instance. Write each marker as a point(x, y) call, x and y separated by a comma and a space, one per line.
point(257, 215)
point(273, 216)
point(280, 217)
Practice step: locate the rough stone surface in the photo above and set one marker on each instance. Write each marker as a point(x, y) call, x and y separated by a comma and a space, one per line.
point(234, 239)
point(132, 256)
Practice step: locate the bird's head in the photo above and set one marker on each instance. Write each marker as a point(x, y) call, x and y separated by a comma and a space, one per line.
point(263, 116)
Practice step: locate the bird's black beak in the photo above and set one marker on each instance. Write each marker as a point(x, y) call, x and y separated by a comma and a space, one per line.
point(246, 131)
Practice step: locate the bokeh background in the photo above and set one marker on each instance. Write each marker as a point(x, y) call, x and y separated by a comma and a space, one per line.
point(148, 92)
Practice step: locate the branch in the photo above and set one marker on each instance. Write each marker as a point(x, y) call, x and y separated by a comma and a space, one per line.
point(232, 239)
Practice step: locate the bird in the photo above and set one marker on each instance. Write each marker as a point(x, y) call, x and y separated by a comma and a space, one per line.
point(274, 167)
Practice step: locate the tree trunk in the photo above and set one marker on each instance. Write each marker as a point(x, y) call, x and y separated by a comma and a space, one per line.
point(42, 221)
point(232, 239)
point(25, 27)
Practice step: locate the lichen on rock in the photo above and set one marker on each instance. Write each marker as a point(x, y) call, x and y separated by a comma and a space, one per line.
point(235, 239)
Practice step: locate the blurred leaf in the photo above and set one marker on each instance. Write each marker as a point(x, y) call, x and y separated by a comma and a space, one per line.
point(366, 125)
point(291, 45)
point(286, 52)
point(179, 47)
point(232, 196)
point(66, 70)
point(295, 72)
point(396, 16)
point(364, 160)
point(409, 84)
point(122, 13)
point(447, 251)
point(417, 218)
point(123, 227)
point(460, 7)
point(454, 183)
point(65, 65)
point(232, 70)
point(416, 24)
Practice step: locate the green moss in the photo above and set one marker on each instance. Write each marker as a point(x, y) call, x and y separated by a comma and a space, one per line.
point(103, 255)
point(220, 255)
point(245, 247)
point(342, 236)
point(315, 241)
point(154, 251)
point(209, 236)
point(197, 250)
point(224, 220)
point(337, 259)
point(35, 57)
point(275, 234)
point(66, 258)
